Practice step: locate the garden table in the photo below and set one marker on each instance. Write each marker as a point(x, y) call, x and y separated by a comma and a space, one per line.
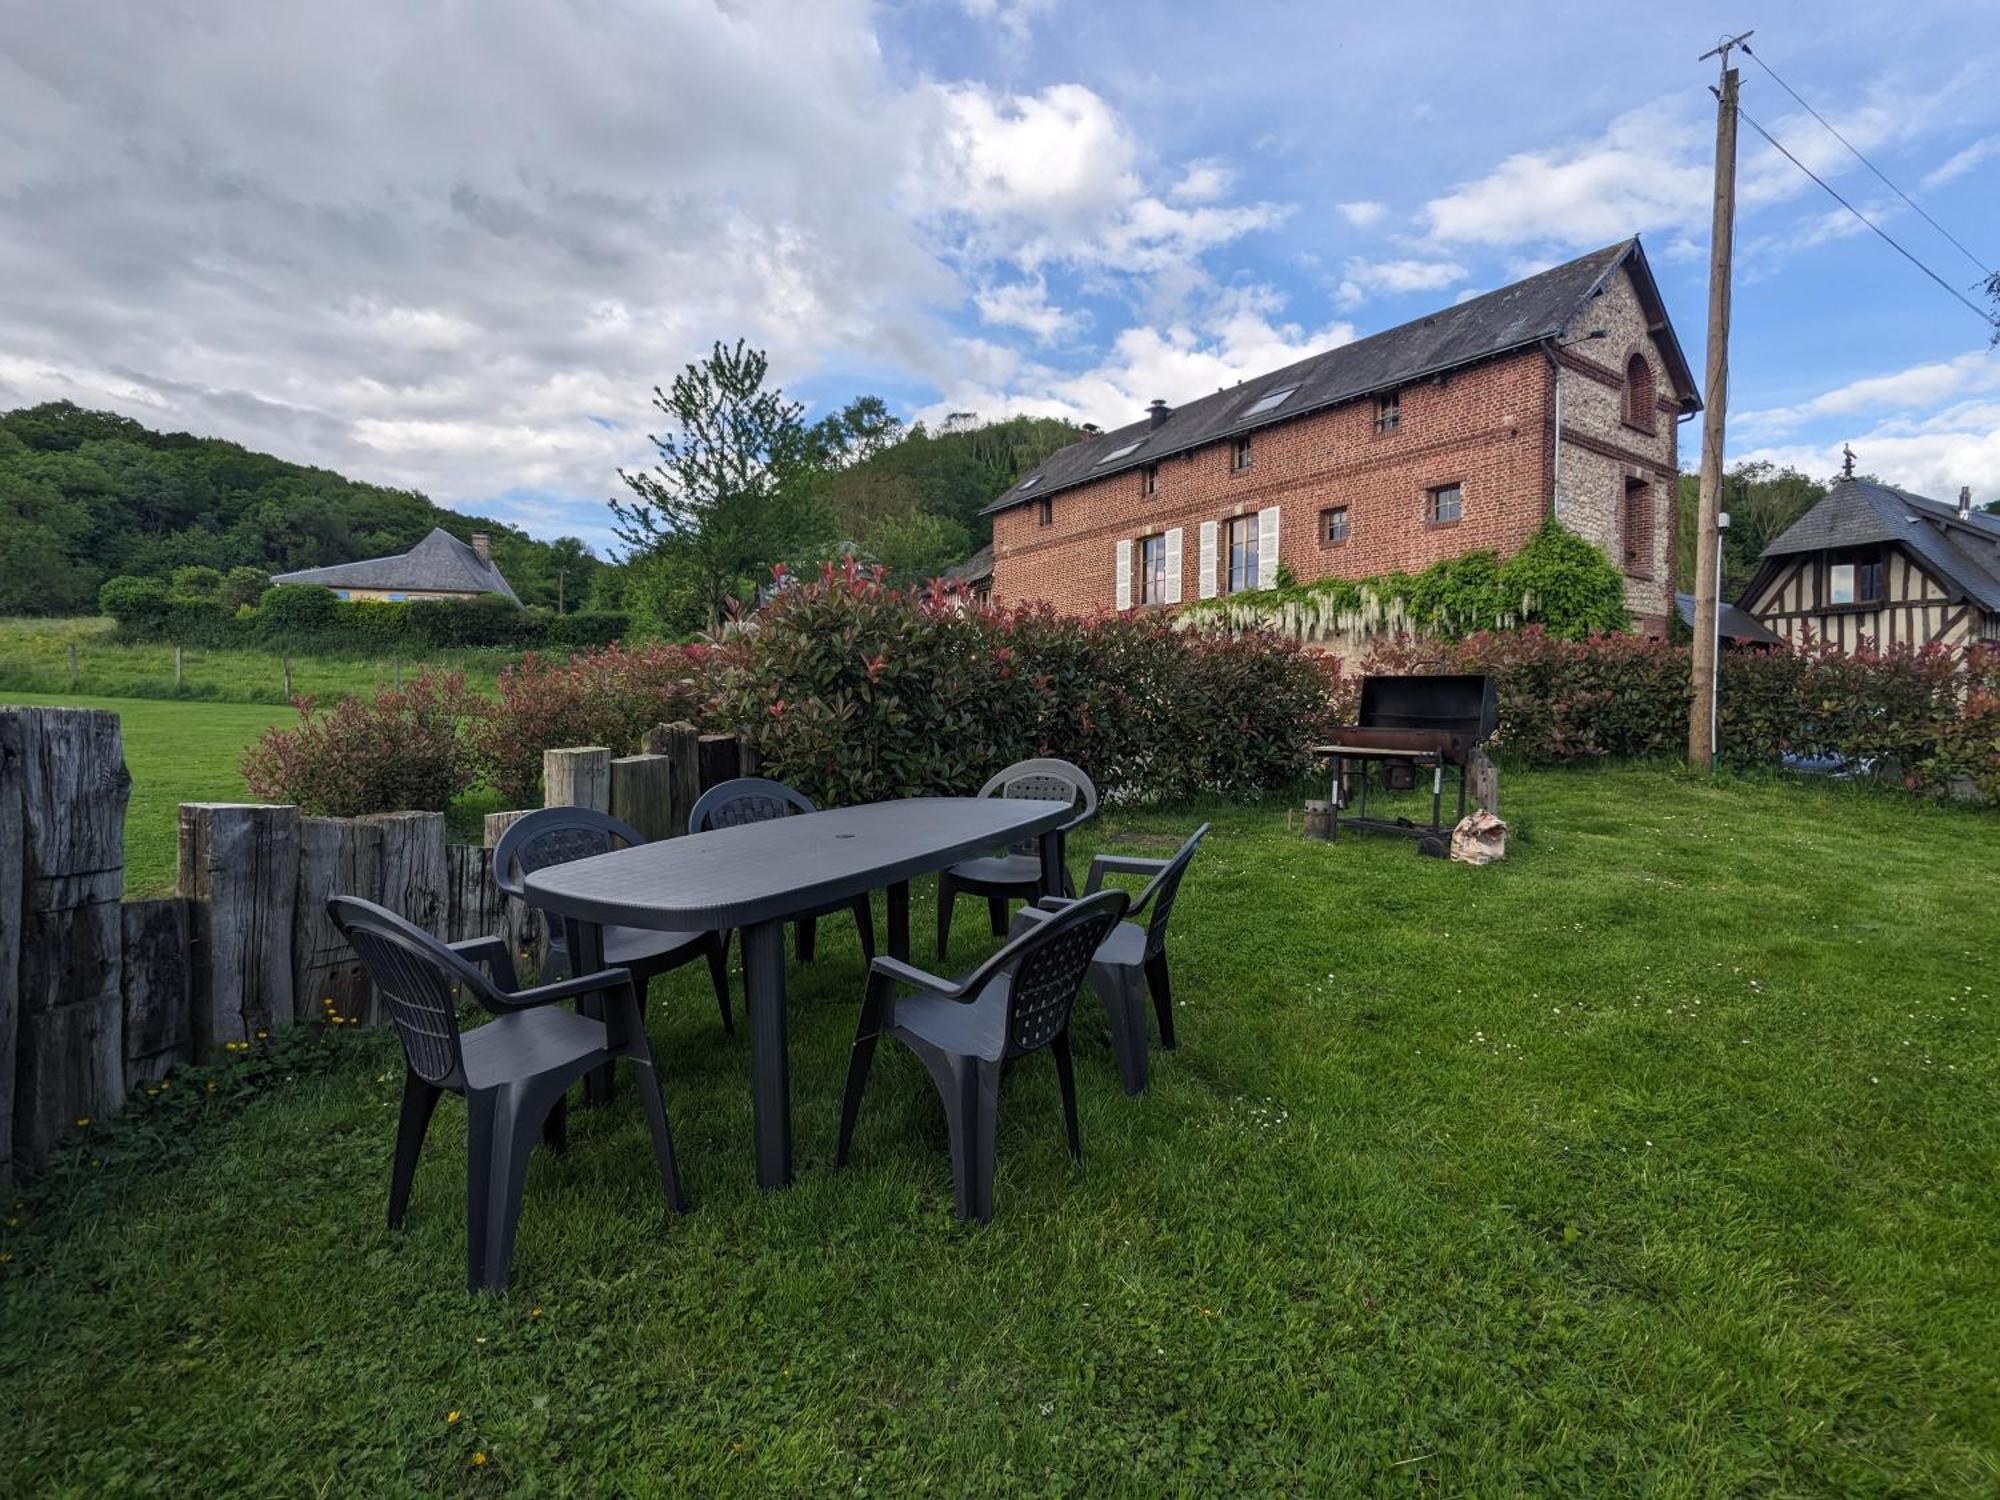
point(757, 876)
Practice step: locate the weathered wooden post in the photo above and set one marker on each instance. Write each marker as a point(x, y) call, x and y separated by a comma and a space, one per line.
point(474, 906)
point(642, 794)
point(1483, 781)
point(158, 988)
point(337, 857)
point(69, 1032)
point(681, 745)
point(720, 760)
point(239, 866)
point(577, 777)
point(522, 926)
point(413, 866)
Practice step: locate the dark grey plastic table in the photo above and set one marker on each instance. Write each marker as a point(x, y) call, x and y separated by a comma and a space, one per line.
point(758, 876)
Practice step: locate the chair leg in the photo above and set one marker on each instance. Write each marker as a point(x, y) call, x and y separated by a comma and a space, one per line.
point(1163, 997)
point(1066, 1076)
point(996, 913)
point(555, 1129)
point(419, 1100)
point(947, 896)
point(864, 924)
point(1124, 1008)
point(480, 1127)
point(647, 1079)
point(858, 1060)
point(808, 939)
point(973, 1118)
point(716, 946)
point(518, 1120)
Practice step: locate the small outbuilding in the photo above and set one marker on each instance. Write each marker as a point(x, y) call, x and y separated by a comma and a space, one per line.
point(1737, 627)
point(438, 567)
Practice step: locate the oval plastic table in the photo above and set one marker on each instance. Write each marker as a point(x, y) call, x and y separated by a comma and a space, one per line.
point(758, 876)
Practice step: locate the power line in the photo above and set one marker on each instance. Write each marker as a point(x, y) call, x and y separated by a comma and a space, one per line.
point(1984, 269)
point(1977, 311)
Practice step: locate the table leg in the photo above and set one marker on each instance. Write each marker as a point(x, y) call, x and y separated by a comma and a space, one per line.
point(899, 921)
point(585, 941)
point(770, 1065)
point(1052, 851)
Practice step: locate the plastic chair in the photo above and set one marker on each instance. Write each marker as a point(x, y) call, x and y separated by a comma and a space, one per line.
point(1017, 874)
point(1132, 959)
point(513, 1072)
point(753, 799)
point(964, 1031)
point(557, 835)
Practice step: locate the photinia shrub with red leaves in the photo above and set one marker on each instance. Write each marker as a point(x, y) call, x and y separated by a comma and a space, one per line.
point(406, 749)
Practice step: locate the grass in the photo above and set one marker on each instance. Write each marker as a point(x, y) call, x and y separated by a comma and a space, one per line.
point(34, 658)
point(1658, 1159)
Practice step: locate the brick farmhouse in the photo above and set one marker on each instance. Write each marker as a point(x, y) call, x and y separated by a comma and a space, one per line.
point(1461, 430)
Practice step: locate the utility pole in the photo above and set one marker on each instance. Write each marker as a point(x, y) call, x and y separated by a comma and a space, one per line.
point(1715, 402)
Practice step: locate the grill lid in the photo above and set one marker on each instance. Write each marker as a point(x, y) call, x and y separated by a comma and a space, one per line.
point(1446, 703)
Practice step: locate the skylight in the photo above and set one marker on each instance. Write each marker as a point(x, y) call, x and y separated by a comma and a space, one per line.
point(1269, 401)
point(1132, 447)
point(1030, 482)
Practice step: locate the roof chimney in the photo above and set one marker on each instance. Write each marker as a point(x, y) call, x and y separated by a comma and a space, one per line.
point(482, 543)
point(1159, 411)
point(1965, 502)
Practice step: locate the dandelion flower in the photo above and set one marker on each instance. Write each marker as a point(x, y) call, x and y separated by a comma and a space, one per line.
point(478, 1459)
point(82, 1121)
point(451, 1417)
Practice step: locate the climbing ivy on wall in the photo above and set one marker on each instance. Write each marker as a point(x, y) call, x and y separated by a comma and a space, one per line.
point(1559, 581)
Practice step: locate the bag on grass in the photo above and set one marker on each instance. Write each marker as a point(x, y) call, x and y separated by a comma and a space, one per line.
point(1479, 839)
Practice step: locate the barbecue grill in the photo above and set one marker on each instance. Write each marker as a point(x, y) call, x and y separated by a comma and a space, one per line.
point(1407, 725)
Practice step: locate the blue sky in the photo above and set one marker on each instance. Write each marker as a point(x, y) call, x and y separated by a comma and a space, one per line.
point(454, 250)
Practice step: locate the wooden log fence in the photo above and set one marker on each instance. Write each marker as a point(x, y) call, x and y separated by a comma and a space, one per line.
point(99, 996)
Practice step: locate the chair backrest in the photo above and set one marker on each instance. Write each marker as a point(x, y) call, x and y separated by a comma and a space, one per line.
point(1050, 780)
point(1163, 888)
point(747, 799)
point(415, 976)
point(555, 836)
point(1049, 961)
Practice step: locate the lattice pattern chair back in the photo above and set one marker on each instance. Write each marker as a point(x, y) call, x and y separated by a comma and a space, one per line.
point(1162, 890)
point(1046, 779)
point(416, 977)
point(747, 799)
point(1050, 969)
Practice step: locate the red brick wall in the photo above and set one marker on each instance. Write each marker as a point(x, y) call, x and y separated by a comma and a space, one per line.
point(1485, 428)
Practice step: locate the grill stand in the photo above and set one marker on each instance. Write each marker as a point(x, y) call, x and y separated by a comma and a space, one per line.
point(1432, 840)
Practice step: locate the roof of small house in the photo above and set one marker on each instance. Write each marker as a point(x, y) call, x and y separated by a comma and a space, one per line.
point(440, 563)
point(1962, 552)
point(1542, 307)
point(1737, 625)
point(974, 569)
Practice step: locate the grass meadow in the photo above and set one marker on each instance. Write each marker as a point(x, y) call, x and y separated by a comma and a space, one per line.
point(1662, 1158)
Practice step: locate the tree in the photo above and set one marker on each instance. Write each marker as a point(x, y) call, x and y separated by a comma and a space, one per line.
point(1762, 501)
point(566, 556)
point(734, 488)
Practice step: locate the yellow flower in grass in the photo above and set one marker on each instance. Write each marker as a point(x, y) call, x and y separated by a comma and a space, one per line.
point(82, 1122)
point(478, 1459)
point(6, 1257)
point(451, 1418)
point(534, 1312)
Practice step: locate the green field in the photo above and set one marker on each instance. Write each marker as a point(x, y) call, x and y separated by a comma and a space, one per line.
point(34, 658)
point(1662, 1158)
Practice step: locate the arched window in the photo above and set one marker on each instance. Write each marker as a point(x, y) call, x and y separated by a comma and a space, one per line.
point(1641, 400)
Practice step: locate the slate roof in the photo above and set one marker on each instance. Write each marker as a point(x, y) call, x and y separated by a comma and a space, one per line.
point(440, 563)
point(973, 569)
point(1514, 317)
point(1737, 625)
point(1963, 554)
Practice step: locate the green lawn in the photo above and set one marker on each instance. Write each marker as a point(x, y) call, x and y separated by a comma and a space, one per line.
point(34, 658)
point(1662, 1158)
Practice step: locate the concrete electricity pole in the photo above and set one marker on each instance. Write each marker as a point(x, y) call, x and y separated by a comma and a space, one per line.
point(1715, 403)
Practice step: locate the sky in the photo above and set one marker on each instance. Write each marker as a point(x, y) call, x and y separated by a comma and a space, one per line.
point(454, 246)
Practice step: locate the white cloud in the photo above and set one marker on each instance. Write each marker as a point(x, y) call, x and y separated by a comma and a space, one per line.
point(1362, 212)
point(1960, 163)
point(1923, 385)
point(1930, 463)
point(1203, 182)
point(1014, 17)
point(1362, 279)
point(1025, 305)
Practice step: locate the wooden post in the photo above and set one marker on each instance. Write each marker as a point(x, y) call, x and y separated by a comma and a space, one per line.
point(1483, 781)
point(337, 857)
point(413, 868)
point(11, 863)
point(474, 906)
point(69, 1045)
point(239, 866)
point(288, 677)
point(720, 760)
point(642, 794)
point(681, 745)
point(159, 1024)
point(498, 823)
point(577, 777)
point(523, 928)
point(180, 666)
point(1715, 398)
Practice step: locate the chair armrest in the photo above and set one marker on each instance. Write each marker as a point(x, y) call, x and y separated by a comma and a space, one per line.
point(493, 952)
point(895, 969)
point(562, 989)
point(1102, 865)
point(1027, 917)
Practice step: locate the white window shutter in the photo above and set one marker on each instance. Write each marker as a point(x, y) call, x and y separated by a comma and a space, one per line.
point(1124, 566)
point(1204, 582)
point(1267, 547)
point(1172, 594)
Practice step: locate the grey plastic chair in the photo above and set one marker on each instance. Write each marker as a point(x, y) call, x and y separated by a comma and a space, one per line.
point(1017, 874)
point(753, 799)
point(964, 1031)
point(1132, 959)
point(557, 835)
point(513, 1072)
